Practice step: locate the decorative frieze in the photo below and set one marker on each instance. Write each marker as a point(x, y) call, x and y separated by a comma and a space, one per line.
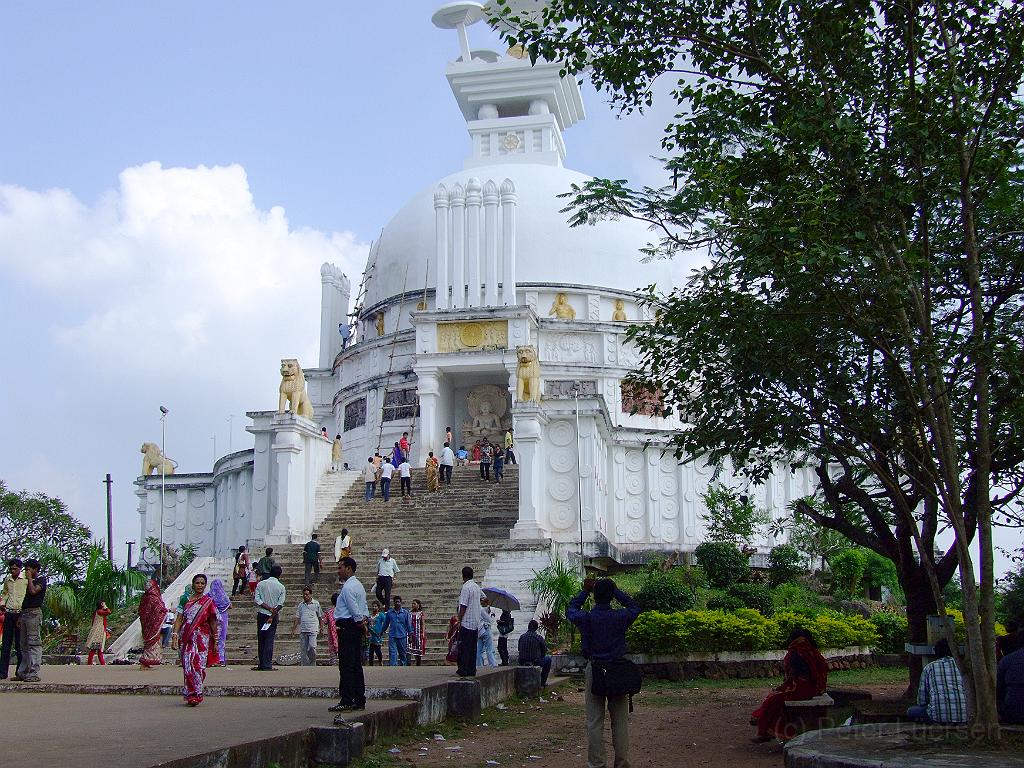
point(355, 414)
point(571, 348)
point(563, 388)
point(472, 336)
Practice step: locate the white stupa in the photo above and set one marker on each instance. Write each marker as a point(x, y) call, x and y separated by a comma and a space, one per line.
point(472, 270)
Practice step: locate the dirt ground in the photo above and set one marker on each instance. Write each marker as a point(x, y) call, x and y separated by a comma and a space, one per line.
point(674, 725)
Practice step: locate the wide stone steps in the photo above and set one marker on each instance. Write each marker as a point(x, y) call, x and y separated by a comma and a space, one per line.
point(431, 536)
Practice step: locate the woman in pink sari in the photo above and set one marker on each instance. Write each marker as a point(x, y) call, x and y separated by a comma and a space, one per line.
point(418, 636)
point(151, 614)
point(195, 635)
point(330, 629)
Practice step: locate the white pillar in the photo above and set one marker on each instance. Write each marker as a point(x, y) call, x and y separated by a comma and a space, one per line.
point(441, 246)
point(327, 333)
point(458, 202)
point(428, 387)
point(490, 255)
point(508, 241)
point(287, 449)
point(473, 241)
point(527, 428)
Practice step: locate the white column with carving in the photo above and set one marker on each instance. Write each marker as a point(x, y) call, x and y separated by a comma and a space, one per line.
point(441, 246)
point(490, 247)
point(508, 241)
point(458, 202)
point(473, 199)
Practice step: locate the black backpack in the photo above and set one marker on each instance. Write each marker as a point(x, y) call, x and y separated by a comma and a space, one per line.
point(616, 678)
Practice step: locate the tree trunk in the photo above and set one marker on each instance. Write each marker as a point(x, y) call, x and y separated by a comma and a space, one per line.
point(920, 605)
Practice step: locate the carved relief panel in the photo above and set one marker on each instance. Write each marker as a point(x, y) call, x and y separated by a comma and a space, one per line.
point(472, 336)
point(572, 348)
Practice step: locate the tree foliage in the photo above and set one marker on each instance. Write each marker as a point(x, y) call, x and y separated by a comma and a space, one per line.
point(31, 523)
point(731, 517)
point(785, 563)
point(74, 590)
point(854, 172)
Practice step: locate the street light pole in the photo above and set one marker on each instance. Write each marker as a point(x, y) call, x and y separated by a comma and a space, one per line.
point(163, 483)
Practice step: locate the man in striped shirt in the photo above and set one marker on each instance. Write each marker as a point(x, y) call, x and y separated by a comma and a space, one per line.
point(940, 695)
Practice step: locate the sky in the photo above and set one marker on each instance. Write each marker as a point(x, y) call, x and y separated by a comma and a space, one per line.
point(172, 175)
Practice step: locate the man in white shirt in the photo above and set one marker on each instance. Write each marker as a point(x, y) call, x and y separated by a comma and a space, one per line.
point(386, 570)
point(350, 617)
point(308, 616)
point(447, 462)
point(387, 469)
point(405, 476)
point(270, 595)
point(469, 623)
point(370, 478)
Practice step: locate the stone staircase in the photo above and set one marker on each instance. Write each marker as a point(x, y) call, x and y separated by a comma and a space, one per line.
point(431, 536)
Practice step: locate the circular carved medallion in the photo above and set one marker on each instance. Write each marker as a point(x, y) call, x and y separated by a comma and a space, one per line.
point(510, 142)
point(471, 335)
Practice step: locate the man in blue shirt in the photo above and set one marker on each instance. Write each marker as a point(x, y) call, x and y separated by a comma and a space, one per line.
point(1010, 687)
point(398, 623)
point(603, 638)
point(350, 616)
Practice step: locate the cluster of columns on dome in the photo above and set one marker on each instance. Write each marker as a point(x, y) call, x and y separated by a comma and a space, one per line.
point(475, 244)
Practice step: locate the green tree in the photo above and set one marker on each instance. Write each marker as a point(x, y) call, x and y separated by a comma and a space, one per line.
point(854, 172)
point(785, 563)
point(722, 562)
point(32, 522)
point(730, 516)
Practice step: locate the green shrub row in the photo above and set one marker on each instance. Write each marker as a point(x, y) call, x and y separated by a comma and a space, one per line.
point(742, 630)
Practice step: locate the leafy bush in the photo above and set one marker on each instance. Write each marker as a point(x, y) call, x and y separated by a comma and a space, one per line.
point(722, 563)
point(755, 596)
point(796, 598)
point(880, 571)
point(847, 571)
point(723, 601)
point(892, 631)
point(785, 563)
point(744, 630)
point(660, 591)
point(1011, 590)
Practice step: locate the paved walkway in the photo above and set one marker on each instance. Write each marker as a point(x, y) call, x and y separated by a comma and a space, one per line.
point(108, 731)
point(381, 682)
point(91, 726)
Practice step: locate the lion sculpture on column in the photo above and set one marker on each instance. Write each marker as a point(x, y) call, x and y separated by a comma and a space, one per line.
point(293, 390)
point(154, 461)
point(528, 375)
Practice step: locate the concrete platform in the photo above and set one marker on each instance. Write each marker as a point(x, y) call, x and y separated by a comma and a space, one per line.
point(898, 746)
point(123, 716)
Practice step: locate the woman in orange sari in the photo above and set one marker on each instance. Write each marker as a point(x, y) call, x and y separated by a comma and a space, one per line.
point(806, 674)
point(195, 634)
point(152, 612)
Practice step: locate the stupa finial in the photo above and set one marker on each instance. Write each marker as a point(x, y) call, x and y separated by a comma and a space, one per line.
point(458, 16)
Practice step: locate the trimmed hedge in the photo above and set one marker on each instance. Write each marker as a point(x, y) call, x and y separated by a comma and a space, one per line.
point(742, 630)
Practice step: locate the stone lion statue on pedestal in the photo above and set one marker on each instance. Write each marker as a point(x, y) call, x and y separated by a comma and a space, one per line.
point(154, 461)
point(528, 373)
point(293, 390)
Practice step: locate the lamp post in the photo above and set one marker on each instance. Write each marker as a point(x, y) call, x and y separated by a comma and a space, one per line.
point(579, 473)
point(129, 563)
point(231, 428)
point(163, 483)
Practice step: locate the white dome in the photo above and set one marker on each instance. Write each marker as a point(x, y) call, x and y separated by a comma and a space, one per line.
point(548, 250)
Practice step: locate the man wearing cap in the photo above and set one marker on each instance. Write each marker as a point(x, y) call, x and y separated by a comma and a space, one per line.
point(386, 570)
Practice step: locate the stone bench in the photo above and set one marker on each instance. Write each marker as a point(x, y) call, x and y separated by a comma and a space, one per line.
point(817, 702)
point(809, 714)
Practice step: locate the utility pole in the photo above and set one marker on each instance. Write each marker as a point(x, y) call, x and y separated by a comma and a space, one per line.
point(110, 520)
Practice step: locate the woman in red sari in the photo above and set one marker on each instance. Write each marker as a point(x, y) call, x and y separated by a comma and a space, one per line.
point(451, 636)
point(152, 612)
point(806, 674)
point(195, 634)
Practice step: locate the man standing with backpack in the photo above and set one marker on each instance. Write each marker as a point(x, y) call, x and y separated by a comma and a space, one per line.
point(603, 636)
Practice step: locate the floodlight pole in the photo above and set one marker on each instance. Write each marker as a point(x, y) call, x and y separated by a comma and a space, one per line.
point(163, 483)
point(579, 474)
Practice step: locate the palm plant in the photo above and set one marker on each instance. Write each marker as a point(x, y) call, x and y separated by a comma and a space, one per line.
point(556, 586)
point(70, 600)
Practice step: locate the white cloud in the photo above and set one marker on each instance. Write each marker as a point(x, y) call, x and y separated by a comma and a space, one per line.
point(171, 288)
point(178, 259)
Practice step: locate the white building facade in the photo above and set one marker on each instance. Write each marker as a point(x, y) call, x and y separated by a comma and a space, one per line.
point(474, 267)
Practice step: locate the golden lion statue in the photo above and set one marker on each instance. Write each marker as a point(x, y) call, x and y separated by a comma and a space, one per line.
point(154, 461)
point(528, 373)
point(293, 390)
